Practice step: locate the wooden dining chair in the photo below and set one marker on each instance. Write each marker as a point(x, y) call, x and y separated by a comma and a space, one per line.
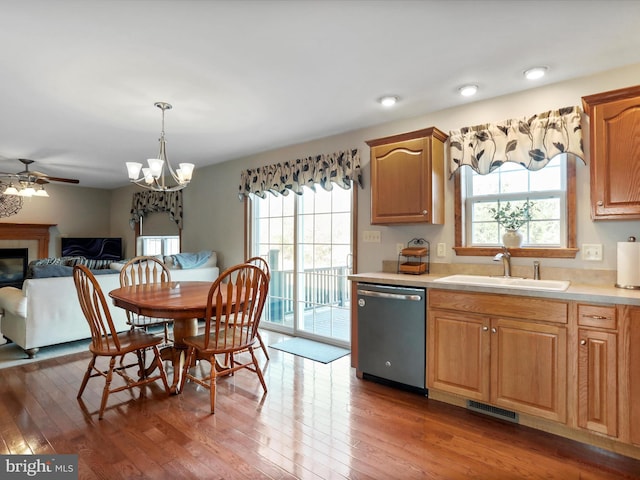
point(107, 342)
point(263, 265)
point(140, 270)
point(234, 308)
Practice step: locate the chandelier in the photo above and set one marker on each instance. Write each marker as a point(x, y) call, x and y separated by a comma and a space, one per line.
point(153, 177)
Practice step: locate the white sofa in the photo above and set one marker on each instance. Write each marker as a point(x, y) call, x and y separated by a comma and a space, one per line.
point(47, 312)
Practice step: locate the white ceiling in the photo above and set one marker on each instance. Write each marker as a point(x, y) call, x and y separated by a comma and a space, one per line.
point(78, 79)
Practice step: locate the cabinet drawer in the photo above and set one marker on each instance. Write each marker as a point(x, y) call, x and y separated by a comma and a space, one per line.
point(525, 308)
point(601, 316)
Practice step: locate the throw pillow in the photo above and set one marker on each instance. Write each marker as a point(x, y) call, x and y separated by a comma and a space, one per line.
point(12, 300)
point(47, 271)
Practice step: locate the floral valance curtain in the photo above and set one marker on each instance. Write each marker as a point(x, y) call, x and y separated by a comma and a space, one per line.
point(340, 168)
point(150, 201)
point(530, 141)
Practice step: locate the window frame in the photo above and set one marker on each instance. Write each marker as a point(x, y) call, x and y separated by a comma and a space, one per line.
point(570, 251)
point(164, 239)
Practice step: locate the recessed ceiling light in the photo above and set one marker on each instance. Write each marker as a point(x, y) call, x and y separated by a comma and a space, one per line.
point(388, 100)
point(535, 73)
point(468, 90)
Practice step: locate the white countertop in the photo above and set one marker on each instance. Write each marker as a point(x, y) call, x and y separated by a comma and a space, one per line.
point(576, 291)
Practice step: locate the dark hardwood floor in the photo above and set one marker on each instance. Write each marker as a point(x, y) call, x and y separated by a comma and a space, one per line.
point(316, 422)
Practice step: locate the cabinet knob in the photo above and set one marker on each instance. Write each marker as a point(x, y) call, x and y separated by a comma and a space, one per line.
point(484, 329)
point(494, 330)
point(599, 203)
point(583, 342)
point(424, 212)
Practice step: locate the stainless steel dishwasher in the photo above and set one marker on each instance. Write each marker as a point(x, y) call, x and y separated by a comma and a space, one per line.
point(392, 334)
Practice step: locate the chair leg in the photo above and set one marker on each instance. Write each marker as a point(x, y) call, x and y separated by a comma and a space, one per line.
point(107, 385)
point(191, 353)
point(163, 374)
point(258, 370)
point(87, 375)
point(213, 382)
point(264, 347)
point(141, 363)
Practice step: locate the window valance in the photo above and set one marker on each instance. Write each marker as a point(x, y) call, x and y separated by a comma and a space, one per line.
point(340, 168)
point(149, 201)
point(530, 141)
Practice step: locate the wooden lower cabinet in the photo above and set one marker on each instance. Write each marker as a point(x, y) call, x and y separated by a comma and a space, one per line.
point(514, 364)
point(632, 373)
point(529, 368)
point(598, 381)
point(458, 354)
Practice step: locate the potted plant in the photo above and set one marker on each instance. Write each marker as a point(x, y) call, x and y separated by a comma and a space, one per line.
point(512, 218)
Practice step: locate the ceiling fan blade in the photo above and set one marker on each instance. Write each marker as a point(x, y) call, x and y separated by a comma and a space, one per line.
point(33, 174)
point(59, 179)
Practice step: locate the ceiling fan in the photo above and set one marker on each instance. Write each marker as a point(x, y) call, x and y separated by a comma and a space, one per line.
point(26, 180)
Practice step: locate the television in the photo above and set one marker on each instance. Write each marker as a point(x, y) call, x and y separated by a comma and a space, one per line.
point(93, 248)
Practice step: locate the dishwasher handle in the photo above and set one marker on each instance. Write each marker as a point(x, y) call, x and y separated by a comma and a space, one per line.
point(395, 296)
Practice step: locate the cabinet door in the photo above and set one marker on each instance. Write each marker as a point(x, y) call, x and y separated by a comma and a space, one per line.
point(407, 178)
point(529, 368)
point(458, 353)
point(615, 154)
point(598, 381)
point(632, 362)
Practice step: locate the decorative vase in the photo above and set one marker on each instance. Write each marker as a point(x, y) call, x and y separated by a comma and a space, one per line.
point(512, 239)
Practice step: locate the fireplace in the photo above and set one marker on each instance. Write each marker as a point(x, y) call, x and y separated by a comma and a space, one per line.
point(13, 266)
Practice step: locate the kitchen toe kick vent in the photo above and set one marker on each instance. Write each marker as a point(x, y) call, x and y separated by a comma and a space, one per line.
point(492, 411)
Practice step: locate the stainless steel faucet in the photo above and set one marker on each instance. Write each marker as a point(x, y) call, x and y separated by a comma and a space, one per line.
point(505, 256)
point(536, 270)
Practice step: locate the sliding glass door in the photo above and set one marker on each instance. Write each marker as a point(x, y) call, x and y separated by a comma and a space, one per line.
point(307, 241)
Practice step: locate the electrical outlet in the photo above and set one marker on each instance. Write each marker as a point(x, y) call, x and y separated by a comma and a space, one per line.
point(399, 247)
point(592, 252)
point(371, 236)
point(442, 250)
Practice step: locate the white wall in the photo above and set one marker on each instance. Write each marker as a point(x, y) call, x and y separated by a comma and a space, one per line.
point(213, 215)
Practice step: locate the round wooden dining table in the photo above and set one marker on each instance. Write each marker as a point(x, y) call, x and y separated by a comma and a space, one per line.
point(184, 302)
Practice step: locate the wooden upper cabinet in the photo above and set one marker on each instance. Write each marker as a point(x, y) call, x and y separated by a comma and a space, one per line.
point(615, 153)
point(407, 178)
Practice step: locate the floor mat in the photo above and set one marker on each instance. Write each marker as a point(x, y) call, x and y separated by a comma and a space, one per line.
point(316, 351)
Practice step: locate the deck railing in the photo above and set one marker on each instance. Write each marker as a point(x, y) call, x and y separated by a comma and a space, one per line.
point(321, 286)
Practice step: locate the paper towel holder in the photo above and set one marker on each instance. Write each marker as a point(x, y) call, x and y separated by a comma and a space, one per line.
point(618, 284)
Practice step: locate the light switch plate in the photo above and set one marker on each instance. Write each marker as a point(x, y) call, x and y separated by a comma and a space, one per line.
point(371, 236)
point(592, 252)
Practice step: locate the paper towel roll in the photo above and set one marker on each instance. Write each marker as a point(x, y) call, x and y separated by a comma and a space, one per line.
point(628, 265)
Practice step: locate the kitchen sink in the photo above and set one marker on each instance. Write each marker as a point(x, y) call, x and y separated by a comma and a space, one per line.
point(506, 282)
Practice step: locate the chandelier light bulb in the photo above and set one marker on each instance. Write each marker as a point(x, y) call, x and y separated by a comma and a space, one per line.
point(155, 167)
point(133, 169)
point(186, 170)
